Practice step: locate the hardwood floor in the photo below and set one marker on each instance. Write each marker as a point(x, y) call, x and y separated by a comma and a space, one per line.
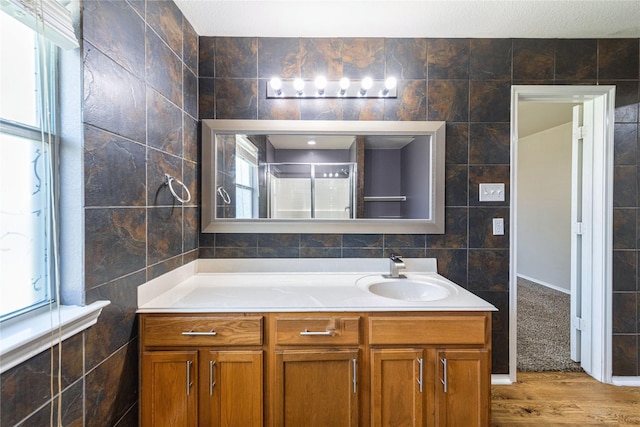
point(567, 399)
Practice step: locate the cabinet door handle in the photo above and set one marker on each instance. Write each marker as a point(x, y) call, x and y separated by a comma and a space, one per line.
point(212, 383)
point(327, 332)
point(355, 375)
point(211, 333)
point(189, 382)
point(444, 374)
point(420, 375)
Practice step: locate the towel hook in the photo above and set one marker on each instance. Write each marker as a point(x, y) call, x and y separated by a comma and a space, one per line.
point(168, 181)
point(224, 195)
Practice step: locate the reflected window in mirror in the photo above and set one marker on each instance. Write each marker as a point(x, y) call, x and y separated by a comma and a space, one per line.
point(246, 179)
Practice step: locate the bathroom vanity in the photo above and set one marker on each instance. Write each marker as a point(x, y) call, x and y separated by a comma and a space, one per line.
point(230, 344)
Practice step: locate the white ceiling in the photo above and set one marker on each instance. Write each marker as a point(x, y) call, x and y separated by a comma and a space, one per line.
point(337, 142)
point(300, 142)
point(415, 18)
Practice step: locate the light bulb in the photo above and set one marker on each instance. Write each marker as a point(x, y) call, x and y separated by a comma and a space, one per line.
point(311, 142)
point(298, 85)
point(365, 85)
point(276, 85)
point(344, 85)
point(389, 84)
point(321, 84)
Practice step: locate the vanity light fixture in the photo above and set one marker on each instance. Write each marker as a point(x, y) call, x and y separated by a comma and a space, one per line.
point(311, 142)
point(323, 88)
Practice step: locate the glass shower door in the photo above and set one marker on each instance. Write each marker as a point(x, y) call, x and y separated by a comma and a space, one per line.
point(306, 190)
point(333, 195)
point(290, 190)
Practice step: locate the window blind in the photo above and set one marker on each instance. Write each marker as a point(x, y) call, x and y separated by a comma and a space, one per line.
point(48, 14)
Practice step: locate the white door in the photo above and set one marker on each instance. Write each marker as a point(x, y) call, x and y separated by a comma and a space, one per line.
point(581, 238)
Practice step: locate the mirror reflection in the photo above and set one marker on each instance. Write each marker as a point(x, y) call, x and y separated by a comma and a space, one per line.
point(322, 176)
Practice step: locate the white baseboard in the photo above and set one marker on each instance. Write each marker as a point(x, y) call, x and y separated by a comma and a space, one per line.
point(503, 379)
point(548, 285)
point(626, 381)
point(500, 379)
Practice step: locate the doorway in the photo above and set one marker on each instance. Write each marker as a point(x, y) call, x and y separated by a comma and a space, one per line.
point(591, 320)
point(544, 176)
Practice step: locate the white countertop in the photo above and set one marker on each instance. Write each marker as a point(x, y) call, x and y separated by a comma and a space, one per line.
point(292, 285)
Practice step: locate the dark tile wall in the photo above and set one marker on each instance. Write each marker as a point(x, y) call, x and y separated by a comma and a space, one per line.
point(466, 82)
point(140, 66)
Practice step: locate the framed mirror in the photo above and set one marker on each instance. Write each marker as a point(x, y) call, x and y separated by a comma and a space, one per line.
point(297, 176)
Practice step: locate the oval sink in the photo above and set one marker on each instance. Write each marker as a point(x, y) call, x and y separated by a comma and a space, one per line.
point(409, 290)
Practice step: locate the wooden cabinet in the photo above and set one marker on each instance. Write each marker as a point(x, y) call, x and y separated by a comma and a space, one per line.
point(202, 370)
point(450, 361)
point(316, 370)
point(397, 387)
point(316, 388)
point(232, 394)
point(376, 369)
point(462, 391)
point(168, 388)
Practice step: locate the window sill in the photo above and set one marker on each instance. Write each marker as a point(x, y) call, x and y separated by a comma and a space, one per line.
point(23, 339)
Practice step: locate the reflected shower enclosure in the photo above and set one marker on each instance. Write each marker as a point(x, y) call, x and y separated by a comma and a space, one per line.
point(311, 190)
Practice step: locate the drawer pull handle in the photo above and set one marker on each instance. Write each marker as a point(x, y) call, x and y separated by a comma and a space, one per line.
point(327, 332)
point(211, 333)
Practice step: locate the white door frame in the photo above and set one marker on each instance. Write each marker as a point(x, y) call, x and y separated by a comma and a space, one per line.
point(602, 226)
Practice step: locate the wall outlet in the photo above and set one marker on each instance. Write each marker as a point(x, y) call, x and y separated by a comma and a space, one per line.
point(492, 192)
point(498, 226)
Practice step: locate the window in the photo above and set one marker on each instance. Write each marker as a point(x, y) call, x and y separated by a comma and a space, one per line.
point(246, 178)
point(27, 148)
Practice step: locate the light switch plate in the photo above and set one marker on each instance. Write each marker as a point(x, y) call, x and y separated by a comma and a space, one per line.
point(492, 192)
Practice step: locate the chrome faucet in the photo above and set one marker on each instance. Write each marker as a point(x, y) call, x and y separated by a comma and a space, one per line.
point(396, 265)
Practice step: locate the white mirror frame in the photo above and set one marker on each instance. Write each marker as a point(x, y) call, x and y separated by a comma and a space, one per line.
point(433, 225)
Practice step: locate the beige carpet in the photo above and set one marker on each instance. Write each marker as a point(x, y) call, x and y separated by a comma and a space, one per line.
point(543, 329)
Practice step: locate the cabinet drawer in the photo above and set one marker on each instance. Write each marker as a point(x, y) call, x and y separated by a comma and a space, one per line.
point(441, 329)
point(317, 330)
point(201, 331)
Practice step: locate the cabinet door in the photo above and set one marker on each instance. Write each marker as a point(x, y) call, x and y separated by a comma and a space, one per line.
point(463, 389)
point(397, 391)
point(316, 388)
point(169, 388)
point(231, 388)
